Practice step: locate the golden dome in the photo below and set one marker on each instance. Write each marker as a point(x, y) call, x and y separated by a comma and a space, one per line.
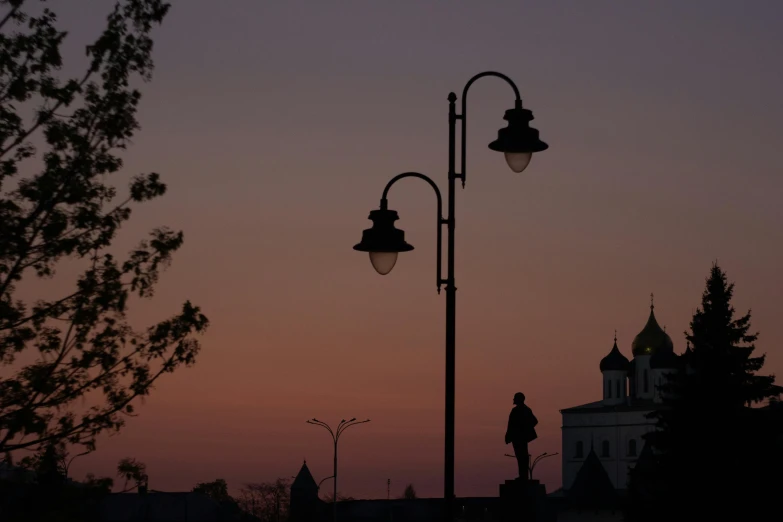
point(652, 339)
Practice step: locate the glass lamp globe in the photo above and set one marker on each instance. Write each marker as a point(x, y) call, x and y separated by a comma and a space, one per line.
point(518, 161)
point(383, 262)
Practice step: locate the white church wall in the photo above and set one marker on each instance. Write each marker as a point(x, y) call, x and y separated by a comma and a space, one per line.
point(614, 387)
point(643, 380)
point(603, 431)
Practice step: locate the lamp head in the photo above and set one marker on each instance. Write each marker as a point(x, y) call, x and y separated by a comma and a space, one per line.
point(518, 141)
point(383, 241)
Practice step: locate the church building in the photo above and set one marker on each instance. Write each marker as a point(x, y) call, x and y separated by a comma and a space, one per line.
point(611, 429)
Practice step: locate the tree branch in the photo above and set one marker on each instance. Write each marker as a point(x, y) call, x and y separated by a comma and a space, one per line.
point(41, 119)
point(11, 13)
point(86, 424)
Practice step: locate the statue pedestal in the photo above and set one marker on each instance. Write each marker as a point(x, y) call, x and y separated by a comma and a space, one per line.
point(524, 502)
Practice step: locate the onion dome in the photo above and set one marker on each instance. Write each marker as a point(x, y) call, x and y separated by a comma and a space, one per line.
point(652, 339)
point(615, 361)
point(665, 360)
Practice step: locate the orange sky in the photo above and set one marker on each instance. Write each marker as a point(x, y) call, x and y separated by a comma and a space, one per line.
point(277, 127)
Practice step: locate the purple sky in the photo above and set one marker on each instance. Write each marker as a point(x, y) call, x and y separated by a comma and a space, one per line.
point(276, 126)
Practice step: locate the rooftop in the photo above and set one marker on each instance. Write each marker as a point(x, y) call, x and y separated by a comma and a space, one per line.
point(600, 407)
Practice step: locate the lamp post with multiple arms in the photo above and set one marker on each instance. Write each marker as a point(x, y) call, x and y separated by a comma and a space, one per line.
point(518, 141)
point(344, 425)
point(532, 466)
point(537, 459)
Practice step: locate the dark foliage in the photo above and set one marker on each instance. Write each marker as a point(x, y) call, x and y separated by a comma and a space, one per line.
point(716, 453)
point(134, 473)
point(88, 363)
point(329, 497)
point(50, 495)
point(268, 501)
point(217, 490)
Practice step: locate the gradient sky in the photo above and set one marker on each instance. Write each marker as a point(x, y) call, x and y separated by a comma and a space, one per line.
point(276, 126)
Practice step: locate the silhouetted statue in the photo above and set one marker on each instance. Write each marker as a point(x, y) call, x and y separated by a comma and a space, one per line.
point(521, 431)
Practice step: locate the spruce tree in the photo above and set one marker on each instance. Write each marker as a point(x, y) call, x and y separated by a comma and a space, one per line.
point(714, 448)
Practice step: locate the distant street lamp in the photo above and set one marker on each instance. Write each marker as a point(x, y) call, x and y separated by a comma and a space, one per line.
point(532, 466)
point(518, 141)
point(344, 425)
point(324, 480)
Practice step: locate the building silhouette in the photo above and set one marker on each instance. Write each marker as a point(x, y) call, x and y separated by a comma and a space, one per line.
point(612, 428)
point(305, 504)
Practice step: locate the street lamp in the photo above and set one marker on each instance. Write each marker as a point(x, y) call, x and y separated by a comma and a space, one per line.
point(537, 459)
point(517, 141)
point(344, 425)
point(532, 466)
point(324, 480)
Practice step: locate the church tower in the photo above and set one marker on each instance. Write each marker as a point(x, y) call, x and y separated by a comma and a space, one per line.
point(614, 368)
point(616, 423)
point(661, 365)
point(651, 342)
point(305, 506)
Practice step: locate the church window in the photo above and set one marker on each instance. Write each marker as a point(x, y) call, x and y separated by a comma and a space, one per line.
point(646, 381)
point(632, 448)
point(579, 450)
point(617, 388)
point(605, 449)
point(608, 389)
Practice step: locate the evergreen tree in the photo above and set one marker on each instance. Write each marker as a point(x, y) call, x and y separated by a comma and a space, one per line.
point(713, 449)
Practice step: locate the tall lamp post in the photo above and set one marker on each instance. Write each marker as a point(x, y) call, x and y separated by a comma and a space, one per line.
point(518, 141)
point(344, 425)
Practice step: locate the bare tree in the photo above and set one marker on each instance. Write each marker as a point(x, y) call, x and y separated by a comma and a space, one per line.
point(269, 501)
point(329, 497)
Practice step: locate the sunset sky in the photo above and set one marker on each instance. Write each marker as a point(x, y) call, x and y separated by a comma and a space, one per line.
point(276, 126)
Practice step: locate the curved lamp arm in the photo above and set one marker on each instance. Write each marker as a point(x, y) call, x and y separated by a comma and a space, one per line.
point(441, 221)
point(540, 457)
point(463, 116)
point(316, 422)
point(343, 424)
point(348, 424)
